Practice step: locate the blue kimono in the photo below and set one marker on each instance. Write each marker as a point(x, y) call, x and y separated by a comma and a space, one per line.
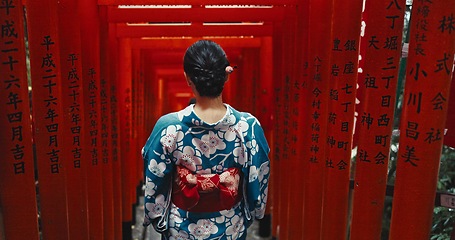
point(183, 139)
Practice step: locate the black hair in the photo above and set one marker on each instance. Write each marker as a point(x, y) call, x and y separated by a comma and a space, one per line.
point(205, 64)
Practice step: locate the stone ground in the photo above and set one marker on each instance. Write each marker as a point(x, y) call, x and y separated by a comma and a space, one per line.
point(141, 233)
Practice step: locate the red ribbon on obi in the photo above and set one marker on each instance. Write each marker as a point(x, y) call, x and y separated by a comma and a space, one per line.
point(206, 192)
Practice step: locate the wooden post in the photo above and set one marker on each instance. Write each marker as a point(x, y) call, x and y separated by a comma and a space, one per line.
point(73, 108)
point(304, 126)
point(265, 90)
point(115, 132)
point(16, 148)
point(425, 105)
point(319, 68)
point(380, 52)
point(124, 85)
point(50, 132)
point(346, 21)
point(90, 39)
point(106, 126)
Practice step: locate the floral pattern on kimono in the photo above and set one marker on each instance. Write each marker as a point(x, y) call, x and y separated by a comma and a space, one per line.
point(183, 139)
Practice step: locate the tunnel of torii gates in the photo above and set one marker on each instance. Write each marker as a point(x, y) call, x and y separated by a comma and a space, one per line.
point(100, 73)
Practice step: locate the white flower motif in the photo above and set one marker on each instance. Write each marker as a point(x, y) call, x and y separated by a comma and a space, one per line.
point(157, 168)
point(253, 146)
point(174, 216)
point(242, 126)
point(188, 157)
point(202, 146)
point(156, 209)
point(178, 235)
point(170, 136)
point(228, 213)
point(149, 187)
point(239, 154)
point(230, 134)
point(202, 229)
point(209, 144)
point(253, 174)
point(226, 121)
point(185, 113)
point(236, 227)
point(214, 142)
point(263, 171)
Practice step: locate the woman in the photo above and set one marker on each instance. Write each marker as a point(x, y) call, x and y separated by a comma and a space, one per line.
point(206, 166)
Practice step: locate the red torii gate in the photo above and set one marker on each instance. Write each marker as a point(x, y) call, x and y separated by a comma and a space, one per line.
point(117, 60)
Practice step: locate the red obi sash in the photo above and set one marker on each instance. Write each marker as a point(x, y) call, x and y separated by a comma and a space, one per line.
point(206, 192)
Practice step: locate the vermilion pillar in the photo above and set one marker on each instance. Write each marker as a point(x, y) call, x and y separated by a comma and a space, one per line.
point(425, 105)
point(304, 118)
point(343, 79)
point(73, 109)
point(106, 127)
point(50, 132)
point(380, 52)
point(265, 98)
point(292, 171)
point(90, 37)
point(124, 85)
point(281, 140)
point(319, 69)
point(115, 132)
point(16, 166)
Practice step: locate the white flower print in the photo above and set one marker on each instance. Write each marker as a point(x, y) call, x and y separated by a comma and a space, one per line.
point(214, 142)
point(253, 174)
point(185, 113)
point(239, 153)
point(202, 229)
point(149, 187)
point(230, 134)
point(225, 122)
point(202, 146)
point(174, 216)
point(170, 136)
point(157, 168)
point(188, 157)
point(180, 235)
point(209, 143)
point(263, 171)
point(236, 227)
point(242, 126)
point(253, 146)
point(228, 213)
point(156, 209)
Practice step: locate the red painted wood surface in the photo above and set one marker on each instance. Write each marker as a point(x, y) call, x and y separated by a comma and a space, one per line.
point(293, 45)
point(449, 138)
point(51, 156)
point(177, 45)
point(115, 131)
point(425, 105)
point(90, 42)
point(265, 97)
point(228, 15)
point(16, 166)
point(74, 117)
point(344, 47)
point(197, 2)
point(124, 84)
point(194, 31)
point(319, 69)
point(380, 50)
point(304, 126)
point(106, 127)
point(276, 136)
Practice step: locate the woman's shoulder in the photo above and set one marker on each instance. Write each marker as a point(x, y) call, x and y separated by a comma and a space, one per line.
point(246, 116)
